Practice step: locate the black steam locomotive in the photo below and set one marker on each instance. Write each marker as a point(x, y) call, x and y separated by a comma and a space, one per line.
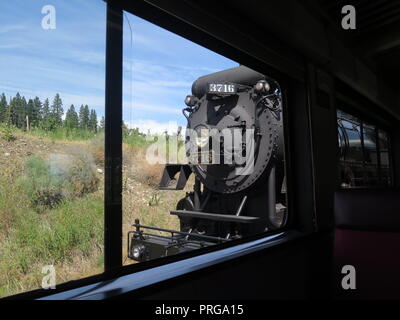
point(234, 147)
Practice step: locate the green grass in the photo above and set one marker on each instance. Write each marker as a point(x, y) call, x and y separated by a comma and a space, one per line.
point(136, 140)
point(75, 227)
point(132, 137)
point(63, 133)
point(54, 235)
point(66, 232)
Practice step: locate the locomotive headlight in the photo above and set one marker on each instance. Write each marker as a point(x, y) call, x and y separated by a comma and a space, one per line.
point(202, 137)
point(262, 86)
point(138, 251)
point(190, 100)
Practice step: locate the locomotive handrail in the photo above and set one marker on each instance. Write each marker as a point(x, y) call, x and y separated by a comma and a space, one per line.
point(174, 232)
point(215, 216)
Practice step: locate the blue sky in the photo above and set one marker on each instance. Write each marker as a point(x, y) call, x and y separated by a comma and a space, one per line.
point(159, 67)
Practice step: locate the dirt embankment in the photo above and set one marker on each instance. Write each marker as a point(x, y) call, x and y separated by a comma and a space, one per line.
point(141, 198)
point(16, 151)
point(67, 234)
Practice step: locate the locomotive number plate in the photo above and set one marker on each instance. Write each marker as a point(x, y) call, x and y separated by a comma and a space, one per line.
point(222, 88)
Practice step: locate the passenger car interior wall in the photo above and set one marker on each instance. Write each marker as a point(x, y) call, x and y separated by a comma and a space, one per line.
point(299, 146)
point(323, 126)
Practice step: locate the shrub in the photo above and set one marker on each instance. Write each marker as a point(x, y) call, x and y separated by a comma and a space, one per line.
point(136, 166)
point(7, 132)
point(134, 138)
point(96, 148)
point(43, 187)
point(47, 198)
point(67, 177)
point(81, 176)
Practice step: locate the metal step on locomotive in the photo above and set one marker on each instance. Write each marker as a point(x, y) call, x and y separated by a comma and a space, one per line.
point(234, 148)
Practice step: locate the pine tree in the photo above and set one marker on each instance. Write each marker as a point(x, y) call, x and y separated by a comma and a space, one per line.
point(15, 110)
point(56, 112)
point(29, 114)
point(3, 108)
point(84, 117)
point(37, 112)
point(102, 123)
point(71, 118)
point(21, 110)
point(87, 116)
point(45, 115)
point(93, 121)
point(125, 129)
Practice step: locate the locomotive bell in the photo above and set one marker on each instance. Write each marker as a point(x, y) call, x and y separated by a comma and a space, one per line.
point(190, 100)
point(262, 86)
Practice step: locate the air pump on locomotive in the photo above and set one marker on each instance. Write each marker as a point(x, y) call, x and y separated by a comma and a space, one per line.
point(231, 198)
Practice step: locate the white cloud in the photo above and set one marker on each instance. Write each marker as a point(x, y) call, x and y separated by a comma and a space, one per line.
point(154, 127)
point(163, 109)
point(12, 28)
point(11, 46)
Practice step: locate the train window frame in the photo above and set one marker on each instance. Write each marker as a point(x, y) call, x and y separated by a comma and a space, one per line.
point(363, 122)
point(113, 205)
point(281, 79)
point(56, 167)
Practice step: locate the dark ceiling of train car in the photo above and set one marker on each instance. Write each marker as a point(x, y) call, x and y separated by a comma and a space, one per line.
point(376, 38)
point(282, 32)
point(375, 41)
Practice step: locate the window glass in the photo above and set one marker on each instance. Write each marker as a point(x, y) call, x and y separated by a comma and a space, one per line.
point(352, 131)
point(371, 152)
point(363, 158)
point(384, 157)
point(351, 164)
point(51, 142)
point(370, 155)
point(203, 146)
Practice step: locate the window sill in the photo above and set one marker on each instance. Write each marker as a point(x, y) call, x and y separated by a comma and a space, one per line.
point(127, 283)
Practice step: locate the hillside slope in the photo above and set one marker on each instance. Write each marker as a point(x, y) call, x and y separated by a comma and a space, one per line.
point(67, 231)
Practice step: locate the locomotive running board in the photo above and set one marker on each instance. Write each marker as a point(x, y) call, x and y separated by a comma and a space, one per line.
point(215, 216)
point(170, 170)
